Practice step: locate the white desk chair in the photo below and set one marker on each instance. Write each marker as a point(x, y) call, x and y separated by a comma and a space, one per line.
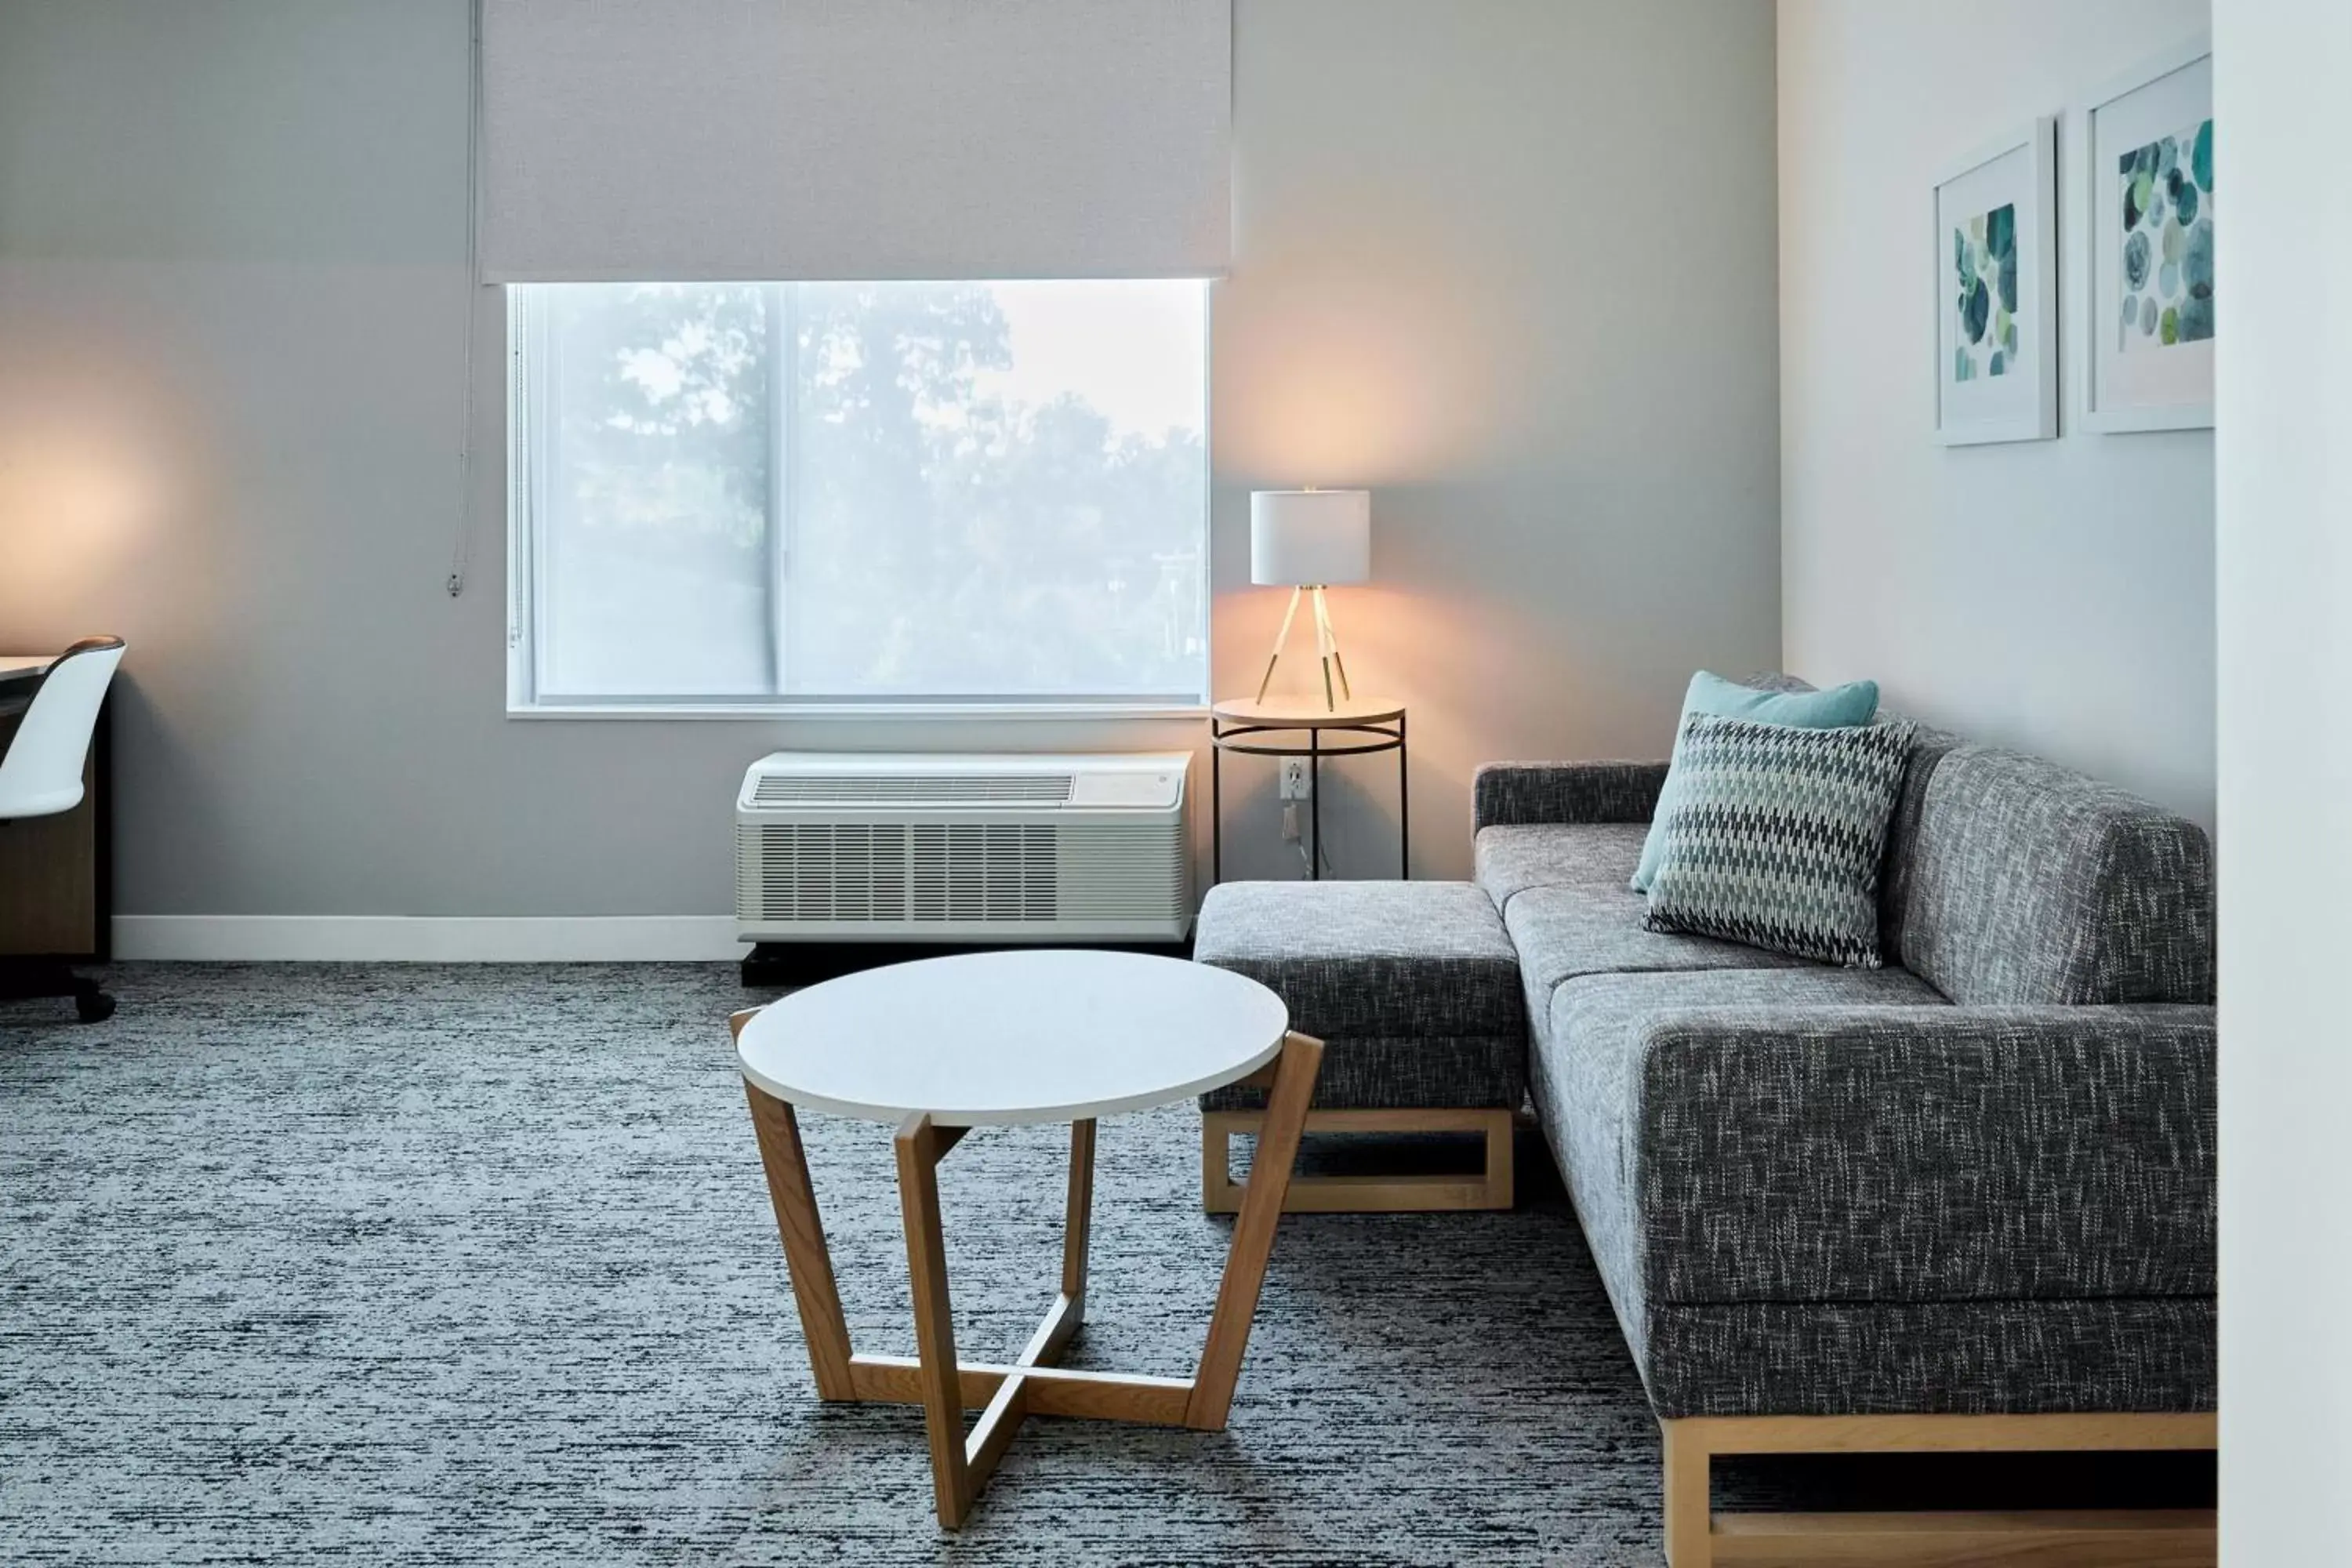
point(40, 775)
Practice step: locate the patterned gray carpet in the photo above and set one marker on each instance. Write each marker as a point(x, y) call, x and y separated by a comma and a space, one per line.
point(403, 1265)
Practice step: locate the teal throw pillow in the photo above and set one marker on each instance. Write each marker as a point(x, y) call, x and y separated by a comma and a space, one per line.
point(1839, 708)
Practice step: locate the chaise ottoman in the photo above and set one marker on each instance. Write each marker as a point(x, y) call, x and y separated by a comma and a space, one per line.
point(1414, 988)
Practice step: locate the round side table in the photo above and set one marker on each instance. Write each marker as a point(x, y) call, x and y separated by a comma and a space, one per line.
point(1300, 729)
point(941, 1046)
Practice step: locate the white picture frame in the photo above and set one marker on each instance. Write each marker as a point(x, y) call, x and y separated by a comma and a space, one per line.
point(1997, 341)
point(2134, 376)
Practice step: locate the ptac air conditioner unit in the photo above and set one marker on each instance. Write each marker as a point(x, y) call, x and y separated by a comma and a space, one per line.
point(847, 847)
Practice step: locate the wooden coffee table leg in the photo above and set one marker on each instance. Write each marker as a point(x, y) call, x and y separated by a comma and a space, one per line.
point(1077, 1222)
point(797, 1222)
point(919, 1147)
point(1010, 1405)
point(1269, 1184)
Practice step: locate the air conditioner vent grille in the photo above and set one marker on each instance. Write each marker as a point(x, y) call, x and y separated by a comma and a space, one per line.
point(936, 874)
point(1003, 848)
point(912, 789)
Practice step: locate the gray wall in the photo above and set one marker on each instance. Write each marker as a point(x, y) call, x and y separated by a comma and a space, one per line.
point(1506, 262)
point(2054, 595)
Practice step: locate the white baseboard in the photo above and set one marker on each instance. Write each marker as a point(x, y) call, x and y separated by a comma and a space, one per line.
point(350, 939)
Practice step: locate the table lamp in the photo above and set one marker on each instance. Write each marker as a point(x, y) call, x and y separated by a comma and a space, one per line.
point(1309, 539)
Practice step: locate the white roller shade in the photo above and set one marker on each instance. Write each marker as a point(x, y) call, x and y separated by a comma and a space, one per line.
point(684, 140)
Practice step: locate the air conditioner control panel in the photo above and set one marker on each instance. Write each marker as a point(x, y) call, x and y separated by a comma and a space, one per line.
point(1135, 789)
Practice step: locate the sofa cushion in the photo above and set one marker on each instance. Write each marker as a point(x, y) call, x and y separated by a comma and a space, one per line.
point(2020, 882)
point(1883, 1153)
point(1565, 932)
point(1929, 748)
point(1395, 958)
point(1585, 1067)
point(1406, 1072)
point(1511, 860)
point(1548, 794)
point(1413, 987)
point(1846, 1136)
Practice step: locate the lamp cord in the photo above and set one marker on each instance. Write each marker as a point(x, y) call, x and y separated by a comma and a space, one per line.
point(461, 554)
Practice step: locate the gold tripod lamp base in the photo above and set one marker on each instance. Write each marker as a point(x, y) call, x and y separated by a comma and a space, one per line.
point(1327, 647)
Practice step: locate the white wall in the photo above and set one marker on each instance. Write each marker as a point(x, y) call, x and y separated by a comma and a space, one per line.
point(2054, 595)
point(1509, 261)
point(2281, 121)
point(1481, 267)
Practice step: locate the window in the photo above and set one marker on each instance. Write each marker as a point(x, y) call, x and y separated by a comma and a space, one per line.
point(839, 496)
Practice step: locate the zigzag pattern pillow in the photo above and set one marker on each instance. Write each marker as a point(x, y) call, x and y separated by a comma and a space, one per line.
point(1776, 835)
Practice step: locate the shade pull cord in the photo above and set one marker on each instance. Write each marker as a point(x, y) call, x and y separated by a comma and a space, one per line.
point(461, 554)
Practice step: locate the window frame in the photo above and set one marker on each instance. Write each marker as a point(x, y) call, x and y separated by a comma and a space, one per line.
point(528, 476)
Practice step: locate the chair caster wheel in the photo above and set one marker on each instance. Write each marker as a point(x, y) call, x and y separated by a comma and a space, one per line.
point(93, 1006)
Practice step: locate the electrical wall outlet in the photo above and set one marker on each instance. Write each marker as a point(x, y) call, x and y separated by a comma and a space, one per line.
point(1295, 781)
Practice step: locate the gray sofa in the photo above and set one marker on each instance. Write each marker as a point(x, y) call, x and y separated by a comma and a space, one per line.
point(1963, 1202)
point(1980, 1179)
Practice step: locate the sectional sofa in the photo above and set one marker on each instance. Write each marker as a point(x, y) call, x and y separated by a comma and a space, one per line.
point(1963, 1202)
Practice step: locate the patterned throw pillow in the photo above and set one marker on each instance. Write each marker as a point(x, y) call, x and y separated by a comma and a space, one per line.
point(1775, 837)
point(1855, 702)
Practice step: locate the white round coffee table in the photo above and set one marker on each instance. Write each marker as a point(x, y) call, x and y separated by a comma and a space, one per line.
point(943, 1045)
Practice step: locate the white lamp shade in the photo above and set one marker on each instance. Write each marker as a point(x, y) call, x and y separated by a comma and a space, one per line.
point(1305, 538)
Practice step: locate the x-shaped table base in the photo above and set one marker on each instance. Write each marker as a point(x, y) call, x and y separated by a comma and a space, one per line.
point(1031, 1384)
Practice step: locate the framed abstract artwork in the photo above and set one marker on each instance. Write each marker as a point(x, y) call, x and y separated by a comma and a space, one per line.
point(1997, 293)
point(2148, 203)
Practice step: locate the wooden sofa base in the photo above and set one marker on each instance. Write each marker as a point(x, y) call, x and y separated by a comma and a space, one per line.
point(1697, 1537)
point(1491, 1189)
